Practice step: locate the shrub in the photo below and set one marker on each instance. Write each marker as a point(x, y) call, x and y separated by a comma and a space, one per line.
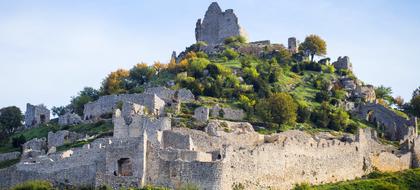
point(230, 53)
point(279, 108)
point(18, 141)
point(303, 186)
point(34, 185)
point(303, 113)
point(322, 96)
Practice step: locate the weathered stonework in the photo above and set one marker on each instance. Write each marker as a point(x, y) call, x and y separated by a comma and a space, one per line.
point(34, 148)
point(366, 93)
point(9, 156)
point(343, 63)
point(293, 45)
point(107, 104)
point(393, 126)
point(217, 26)
point(36, 115)
point(227, 113)
point(201, 114)
point(62, 137)
point(69, 119)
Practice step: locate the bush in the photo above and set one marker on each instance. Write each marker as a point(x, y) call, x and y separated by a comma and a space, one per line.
point(322, 96)
point(279, 108)
point(18, 141)
point(34, 185)
point(303, 113)
point(230, 53)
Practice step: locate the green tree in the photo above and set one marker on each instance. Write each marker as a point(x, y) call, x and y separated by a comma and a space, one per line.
point(85, 96)
point(279, 108)
point(314, 45)
point(10, 119)
point(58, 111)
point(415, 104)
point(384, 93)
point(339, 120)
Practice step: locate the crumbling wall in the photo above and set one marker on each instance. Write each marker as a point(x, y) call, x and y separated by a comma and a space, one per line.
point(9, 156)
point(294, 158)
point(36, 115)
point(132, 151)
point(78, 167)
point(107, 104)
point(62, 137)
point(69, 119)
point(217, 25)
point(394, 126)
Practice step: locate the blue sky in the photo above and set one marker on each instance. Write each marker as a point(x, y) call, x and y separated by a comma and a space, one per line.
point(49, 50)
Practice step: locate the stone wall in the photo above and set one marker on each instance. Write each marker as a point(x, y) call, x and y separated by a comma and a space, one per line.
point(9, 156)
point(125, 162)
point(393, 126)
point(343, 63)
point(36, 115)
point(62, 137)
point(295, 158)
point(217, 26)
point(293, 45)
point(69, 119)
point(107, 104)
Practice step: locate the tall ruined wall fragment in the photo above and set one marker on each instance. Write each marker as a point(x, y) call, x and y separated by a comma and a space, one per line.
point(217, 26)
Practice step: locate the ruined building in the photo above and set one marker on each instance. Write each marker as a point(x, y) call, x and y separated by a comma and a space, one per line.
point(36, 115)
point(293, 45)
point(148, 149)
point(217, 26)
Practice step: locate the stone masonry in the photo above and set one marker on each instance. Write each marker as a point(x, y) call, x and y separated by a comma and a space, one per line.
point(36, 115)
point(293, 45)
point(217, 26)
point(343, 63)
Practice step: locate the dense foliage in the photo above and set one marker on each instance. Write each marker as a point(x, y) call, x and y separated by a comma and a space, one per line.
point(10, 119)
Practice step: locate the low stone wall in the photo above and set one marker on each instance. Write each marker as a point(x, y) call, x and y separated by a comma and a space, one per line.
point(9, 156)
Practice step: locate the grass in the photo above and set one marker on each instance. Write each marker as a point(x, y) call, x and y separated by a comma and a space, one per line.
point(8, 163)
point(405, 180)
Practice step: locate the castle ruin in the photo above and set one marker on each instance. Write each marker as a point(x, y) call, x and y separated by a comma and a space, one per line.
point(217, 26)
point(36, 115)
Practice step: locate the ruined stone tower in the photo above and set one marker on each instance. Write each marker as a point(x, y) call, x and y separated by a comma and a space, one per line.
point(293, 45)
point(217, 25)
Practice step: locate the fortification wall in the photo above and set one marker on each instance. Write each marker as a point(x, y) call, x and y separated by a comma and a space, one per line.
point(395, 127)
point(78, 168)
point(107, 104)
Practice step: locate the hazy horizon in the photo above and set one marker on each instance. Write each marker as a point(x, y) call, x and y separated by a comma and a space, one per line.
point(50, 50)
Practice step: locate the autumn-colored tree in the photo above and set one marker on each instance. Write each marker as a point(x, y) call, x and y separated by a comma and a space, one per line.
point(314, 45)
point(159, 66)
point(114, 82)
point(399, 101)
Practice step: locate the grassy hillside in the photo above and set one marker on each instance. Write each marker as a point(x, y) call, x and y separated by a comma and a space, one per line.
point(406, 180)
